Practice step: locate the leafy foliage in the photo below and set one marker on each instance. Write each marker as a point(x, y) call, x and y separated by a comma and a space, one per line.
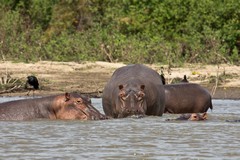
point(146, 31)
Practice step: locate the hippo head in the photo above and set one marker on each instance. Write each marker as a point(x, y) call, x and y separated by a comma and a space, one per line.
point(75, 106)
point(131, 101)
point(198, 117)
point(192, 117)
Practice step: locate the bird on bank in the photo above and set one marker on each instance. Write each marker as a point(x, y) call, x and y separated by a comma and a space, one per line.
point(184, 79)
point(163, 79)
point(33, 82)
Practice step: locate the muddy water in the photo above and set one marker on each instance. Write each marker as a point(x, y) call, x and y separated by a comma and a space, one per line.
point(146, 138)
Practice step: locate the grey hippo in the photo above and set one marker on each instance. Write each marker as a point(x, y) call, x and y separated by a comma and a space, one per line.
point(186, 98)
point(134, 90)
point(62, 106)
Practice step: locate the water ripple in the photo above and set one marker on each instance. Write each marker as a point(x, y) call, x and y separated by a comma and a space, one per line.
point(128, 138)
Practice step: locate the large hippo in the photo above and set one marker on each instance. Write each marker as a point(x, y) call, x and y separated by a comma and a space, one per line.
point(186, 98)
point(133, 90)
point(63, 106)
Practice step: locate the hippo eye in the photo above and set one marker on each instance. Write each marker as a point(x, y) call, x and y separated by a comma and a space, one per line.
point(79, 100)
point(194, 117)
point(140, 95)
point(122, 95)
point(139, 98)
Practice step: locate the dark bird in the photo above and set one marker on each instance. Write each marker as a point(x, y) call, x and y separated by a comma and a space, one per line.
point(163, 79)
point(162, 76)
point(184, 79)
point(33, 82)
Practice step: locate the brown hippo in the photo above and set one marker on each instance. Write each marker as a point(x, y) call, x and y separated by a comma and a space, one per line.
point(63, 106)
point(186, 98)
point(133, 90)
point(192, 117)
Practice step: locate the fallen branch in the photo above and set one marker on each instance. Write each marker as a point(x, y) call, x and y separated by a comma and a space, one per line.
point(10, 90)
point(105, 49)
point(216, 83)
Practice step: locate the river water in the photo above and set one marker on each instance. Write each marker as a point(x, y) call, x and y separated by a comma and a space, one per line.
point(128, 138)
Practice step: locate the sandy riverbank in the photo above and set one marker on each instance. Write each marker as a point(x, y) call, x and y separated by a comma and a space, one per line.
point(90, 77)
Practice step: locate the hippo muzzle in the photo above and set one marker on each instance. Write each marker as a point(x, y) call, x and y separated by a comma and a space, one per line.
point(94, 114)
point(132, 104)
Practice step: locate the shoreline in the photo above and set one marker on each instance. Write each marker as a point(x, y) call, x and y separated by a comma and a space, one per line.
point(221, 93)
point(90, 77)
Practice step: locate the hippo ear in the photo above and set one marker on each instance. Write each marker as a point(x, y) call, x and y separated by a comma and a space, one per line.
point(67, 96)
point(204, 115)
point(142, 87)
point(120, 87)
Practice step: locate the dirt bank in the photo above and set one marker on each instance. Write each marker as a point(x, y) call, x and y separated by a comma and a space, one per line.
point(90, 77)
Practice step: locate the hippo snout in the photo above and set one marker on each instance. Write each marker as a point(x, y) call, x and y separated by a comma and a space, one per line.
point(137, 116)
point(134, 113)
point(99, 117)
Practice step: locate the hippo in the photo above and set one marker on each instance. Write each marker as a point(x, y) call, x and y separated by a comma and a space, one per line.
point(191, 117)
point(62, 106)
point(236, 120)
point(133, 91)
point(186, 98)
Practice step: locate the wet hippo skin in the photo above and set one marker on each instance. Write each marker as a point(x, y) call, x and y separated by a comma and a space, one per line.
point(62, 106)
point(186, 98)
point(133, 90)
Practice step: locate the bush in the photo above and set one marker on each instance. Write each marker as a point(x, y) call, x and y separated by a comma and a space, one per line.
point(169, 31)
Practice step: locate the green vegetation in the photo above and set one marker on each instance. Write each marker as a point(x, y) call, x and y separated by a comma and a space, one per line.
point(144, 31)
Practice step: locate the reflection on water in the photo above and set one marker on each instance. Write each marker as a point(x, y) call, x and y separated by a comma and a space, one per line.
point(146, 138)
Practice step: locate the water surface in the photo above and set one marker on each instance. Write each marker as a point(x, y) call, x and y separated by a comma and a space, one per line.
point(128, 138)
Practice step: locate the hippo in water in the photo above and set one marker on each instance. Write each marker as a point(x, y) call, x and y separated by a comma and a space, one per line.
point(63, 106)
point(133, 90)
point(186, 98)
point(191, 117)
point(236, 120)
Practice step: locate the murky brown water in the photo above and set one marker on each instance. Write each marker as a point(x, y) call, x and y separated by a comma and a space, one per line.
point(146, 138)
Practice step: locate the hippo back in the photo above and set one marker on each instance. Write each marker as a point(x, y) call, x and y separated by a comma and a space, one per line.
point(62, 106)
point(186, 98)
point(134, 78)
point(26, 109)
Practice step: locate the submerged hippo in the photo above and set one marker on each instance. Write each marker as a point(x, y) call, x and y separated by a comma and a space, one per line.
point(63, 106)
point(236, 120)
point(186, 98)
point(192, 117)
point(133, 90)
